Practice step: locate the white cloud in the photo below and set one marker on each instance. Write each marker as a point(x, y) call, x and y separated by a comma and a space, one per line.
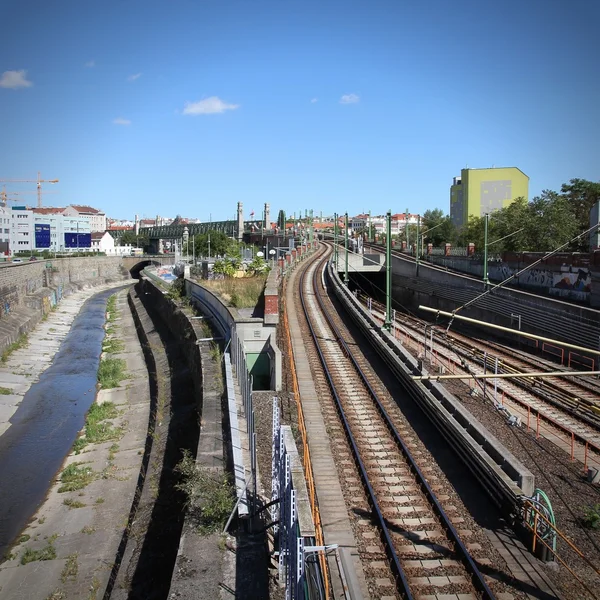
point(314, 100)
point(121, 121)
point(15, 79)
point(208, 106)
point(349, 99)
point(134, 77)
point(90, 64)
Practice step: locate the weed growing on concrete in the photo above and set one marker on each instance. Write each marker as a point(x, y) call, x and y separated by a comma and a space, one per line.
point(111, 308)
point(215, 352)
point(100, 500)
point(89, 530)
point(94, 587)
point(79, 444)
point(42, 520)
point(96, 429)
point(112, 451)
point(57, 595)
point(75, 477)
point(48, 552)
point(113, 346)
point(70, 569)
point(5, 391)
point(111, 372)
point(209, 494)
point(73, 503)
point(24, 538)
point(20, 343)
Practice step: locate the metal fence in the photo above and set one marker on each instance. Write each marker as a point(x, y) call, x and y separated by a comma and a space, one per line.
point(285, 514)
point(245, 380)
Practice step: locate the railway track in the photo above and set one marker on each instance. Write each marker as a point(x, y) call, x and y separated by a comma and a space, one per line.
point(412, 523)
point(570, 408)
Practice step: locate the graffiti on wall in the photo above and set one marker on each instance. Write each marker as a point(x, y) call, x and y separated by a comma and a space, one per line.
point(532, 277)
point(574, 283)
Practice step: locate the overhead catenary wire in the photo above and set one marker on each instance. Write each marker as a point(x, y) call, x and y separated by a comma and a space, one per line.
point(518, 273)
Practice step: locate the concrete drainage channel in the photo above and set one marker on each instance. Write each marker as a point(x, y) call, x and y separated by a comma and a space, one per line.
point(144, 565)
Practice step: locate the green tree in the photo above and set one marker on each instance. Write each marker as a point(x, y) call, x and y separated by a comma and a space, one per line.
point(581, 195)
point(507, 228)
point(281, 220)
point(258, 266)
point(220, 244)
point(551, 222)
point(130, 238)
point(444, 232)
point(226, 266)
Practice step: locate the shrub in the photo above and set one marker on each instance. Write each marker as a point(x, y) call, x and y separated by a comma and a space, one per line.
point(591, 519)
point(209, 495)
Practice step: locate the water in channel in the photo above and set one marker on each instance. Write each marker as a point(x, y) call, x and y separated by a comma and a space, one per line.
point(48, 419)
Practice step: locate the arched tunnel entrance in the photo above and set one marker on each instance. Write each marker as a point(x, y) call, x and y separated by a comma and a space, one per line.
point(137, 268)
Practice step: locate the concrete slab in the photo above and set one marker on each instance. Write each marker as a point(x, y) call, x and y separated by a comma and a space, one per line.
point(6, 412)
point(94, 531)
point(10, 399)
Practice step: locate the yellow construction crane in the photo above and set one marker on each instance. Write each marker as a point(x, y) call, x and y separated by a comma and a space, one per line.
point(39, 182)
point(6, 196)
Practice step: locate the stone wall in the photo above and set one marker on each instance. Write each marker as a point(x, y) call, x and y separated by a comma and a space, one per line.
point(30, 290)
point(25, 284)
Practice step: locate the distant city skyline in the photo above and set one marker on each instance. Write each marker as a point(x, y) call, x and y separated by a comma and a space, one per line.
point(338, 106)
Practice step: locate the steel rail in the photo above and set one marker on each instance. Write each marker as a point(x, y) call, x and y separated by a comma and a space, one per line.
point(476, 576)
point(560, 400)
point(387, 538)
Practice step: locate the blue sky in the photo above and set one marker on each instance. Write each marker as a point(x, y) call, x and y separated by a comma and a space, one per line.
point(189, 106)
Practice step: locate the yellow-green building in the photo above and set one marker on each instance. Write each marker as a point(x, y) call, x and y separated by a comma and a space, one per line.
point(480, 191)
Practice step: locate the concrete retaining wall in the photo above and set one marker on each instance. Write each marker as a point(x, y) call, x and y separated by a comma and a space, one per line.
point(30, 290)
point(448, 291)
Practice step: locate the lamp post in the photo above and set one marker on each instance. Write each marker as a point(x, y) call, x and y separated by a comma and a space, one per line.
point(417, 245)
point(186, 236)
point(407, 215)
point(346, 239)
point(272, 255)
point(335, 246)
point(388, 273)
point(485, 246)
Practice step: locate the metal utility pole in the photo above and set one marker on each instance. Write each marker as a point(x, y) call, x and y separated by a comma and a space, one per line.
point(388, 272)
point(335, 246)
point(418, 237)
point(346, 238)
point(311, 231)
point(407, 214)
point(370, 229)
point(485, 249)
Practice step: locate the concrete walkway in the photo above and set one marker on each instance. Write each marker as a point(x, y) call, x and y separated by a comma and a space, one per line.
point(80, 531)
point(25, 365)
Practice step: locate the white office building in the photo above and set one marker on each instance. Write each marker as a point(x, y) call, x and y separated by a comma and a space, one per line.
point(47, 229)
point(95, 217)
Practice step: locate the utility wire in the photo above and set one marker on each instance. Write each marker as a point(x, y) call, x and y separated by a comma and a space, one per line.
point(518, 273)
